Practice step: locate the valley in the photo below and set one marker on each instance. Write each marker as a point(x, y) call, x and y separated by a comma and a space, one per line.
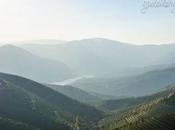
point(41, 92)
point(87, 65)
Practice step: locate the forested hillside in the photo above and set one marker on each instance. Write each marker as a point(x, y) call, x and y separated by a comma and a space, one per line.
point(145, 116)
point(35, 105)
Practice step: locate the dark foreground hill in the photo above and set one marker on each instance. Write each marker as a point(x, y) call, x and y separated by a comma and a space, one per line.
point(25, 104)
point(124, 103)
point(156, 114)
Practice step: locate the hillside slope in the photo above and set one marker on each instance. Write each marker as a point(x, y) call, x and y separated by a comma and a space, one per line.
point(103, 57)
point(18, 61)
point(29, 102)
point(156, 114)
point(77, 94)
point(139, 85)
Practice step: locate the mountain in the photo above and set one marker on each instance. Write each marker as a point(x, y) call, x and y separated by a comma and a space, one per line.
point(77, 94)
point(18, 61)
point(39, 42)
point(80, 95)
point(26, 103)
point(9, 124)
point(125, 103)
point(103, 57)
point(156, 114)
point(139, 85)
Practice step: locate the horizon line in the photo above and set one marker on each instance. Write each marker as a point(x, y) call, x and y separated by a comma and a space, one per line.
point(19, 42)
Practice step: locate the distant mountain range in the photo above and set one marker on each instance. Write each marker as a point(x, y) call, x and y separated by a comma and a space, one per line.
point(77, 94)
point(124, 85)
point(103, 57)
point(139, 85)
point(80, 95)
point(15, 60)
point(104, 60)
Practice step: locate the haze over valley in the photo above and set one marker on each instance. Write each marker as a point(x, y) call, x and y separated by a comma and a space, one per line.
point(87, 65)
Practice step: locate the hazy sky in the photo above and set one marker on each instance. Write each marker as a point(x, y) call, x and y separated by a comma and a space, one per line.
point(120, 20)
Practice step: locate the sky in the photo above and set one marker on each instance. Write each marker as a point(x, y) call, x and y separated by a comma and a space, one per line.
point(121, 20)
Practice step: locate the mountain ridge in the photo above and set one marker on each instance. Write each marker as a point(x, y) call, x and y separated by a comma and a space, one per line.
point(36, 104)
point(145, 115)
point(18, 61)
point(103, 57)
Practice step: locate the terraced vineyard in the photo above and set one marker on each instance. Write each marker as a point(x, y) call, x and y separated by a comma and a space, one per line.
point(153, 115)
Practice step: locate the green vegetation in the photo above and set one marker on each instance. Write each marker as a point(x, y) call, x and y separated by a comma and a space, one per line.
point(9, 124)
point(28, 105)
point(137, 85)
point(124, 103)
point(77, 94)
point(150, 115)
point(38, 106)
